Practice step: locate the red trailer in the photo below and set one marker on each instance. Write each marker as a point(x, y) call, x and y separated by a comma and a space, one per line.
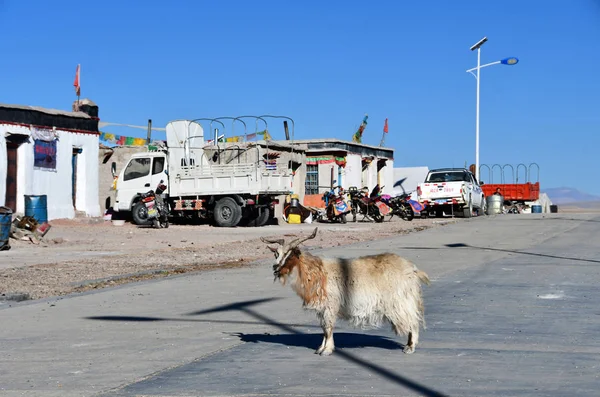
point(515, 191)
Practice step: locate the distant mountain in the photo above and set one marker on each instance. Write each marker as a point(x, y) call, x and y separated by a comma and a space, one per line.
point(568, 195)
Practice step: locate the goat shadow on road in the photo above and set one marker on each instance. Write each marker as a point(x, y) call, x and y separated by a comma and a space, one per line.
point(343, 340)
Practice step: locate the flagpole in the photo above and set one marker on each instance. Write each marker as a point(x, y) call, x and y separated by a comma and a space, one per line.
point(385, 131)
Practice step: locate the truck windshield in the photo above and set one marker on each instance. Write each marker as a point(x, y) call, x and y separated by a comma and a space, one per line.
point(137, 168)
point(451, 176)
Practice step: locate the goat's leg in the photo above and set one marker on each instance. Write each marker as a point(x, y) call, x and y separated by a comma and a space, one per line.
point(327, 346)
point(413, 339)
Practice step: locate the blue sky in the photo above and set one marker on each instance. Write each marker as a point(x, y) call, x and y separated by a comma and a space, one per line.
point(326, 64)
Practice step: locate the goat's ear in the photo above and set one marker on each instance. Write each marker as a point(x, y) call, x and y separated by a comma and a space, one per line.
point(273, 249)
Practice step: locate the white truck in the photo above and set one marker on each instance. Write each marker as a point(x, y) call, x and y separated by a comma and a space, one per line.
point(231, 183)
point(451, 190)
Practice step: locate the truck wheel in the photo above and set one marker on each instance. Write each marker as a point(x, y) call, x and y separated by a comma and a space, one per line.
point(259, 220)
point(468, 211)
point(227, 212)
point(140, 214)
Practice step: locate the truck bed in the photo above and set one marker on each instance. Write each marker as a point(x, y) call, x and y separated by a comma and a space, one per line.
point(514, 191)
point(244, 178)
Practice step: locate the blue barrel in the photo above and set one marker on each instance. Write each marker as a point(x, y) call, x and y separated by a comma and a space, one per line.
point(5, 223)
point(536, 209)
point(37, 207)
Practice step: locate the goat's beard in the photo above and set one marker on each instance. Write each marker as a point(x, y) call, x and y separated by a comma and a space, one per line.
point(279, 275)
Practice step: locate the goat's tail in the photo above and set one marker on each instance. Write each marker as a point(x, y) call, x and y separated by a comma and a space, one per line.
point(423, 277)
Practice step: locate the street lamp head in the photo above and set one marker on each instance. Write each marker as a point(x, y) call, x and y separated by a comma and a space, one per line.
point(510, 61)
point(478, 44)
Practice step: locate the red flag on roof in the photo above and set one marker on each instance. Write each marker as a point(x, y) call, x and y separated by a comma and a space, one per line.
point(77, 82)
point(385, 127)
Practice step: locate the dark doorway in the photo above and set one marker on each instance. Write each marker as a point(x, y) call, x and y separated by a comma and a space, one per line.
point(13, 141)
point(76, 152)
point(11, 176)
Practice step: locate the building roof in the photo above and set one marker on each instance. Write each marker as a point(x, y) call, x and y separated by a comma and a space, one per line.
point(46, 110)
point(323, 144)
point(48, 118)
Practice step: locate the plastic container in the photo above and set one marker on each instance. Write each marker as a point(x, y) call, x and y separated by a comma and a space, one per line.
point(294, 219)
point(37, 207)
point(5, 224)
point(554, 209)
point(536, 209)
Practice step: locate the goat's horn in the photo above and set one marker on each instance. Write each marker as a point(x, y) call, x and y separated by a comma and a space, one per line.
point(298, 241)
point(279, 241)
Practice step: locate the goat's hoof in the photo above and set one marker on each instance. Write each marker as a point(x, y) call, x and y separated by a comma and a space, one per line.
point(326, 352)
point(409, 349)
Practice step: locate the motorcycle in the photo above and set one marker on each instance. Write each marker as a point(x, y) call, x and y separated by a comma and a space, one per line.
point(403, 206)
point(157, 211)
point(336, 207)
point(370, 206)
point(378, 208)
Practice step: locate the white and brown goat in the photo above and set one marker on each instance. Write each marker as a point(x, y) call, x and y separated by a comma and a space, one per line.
point(365, 291)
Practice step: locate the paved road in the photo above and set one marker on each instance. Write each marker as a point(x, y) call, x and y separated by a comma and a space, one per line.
point(512, 311)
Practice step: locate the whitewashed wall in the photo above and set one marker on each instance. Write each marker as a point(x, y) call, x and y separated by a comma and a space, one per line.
point(56, 185)
point(387, 179)
point(353, 171)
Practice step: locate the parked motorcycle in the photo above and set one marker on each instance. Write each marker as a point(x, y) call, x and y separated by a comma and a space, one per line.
point(152, 209)
point(370, 206)
point(402, 206)
point(403, 202)
point(378, 207)
point(336, 206)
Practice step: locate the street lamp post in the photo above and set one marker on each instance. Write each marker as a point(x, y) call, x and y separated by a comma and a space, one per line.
point(506, 61)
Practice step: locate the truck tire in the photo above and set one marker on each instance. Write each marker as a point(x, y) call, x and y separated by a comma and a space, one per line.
point(257, 220)
point(139, 213)
point(227, 213)
point(468, 210)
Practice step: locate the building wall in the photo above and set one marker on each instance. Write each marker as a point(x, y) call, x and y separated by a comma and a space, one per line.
point(352, 175)
point(106, 156)
point(56, 185)
point(353, 171)
point(413, 175)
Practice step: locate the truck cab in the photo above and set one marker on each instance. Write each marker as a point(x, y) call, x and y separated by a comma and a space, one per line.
point(142, 173)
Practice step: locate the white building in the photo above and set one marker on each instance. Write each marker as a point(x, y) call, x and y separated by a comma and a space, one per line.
point(348, 163)
point(410, 177)
point(53, 153)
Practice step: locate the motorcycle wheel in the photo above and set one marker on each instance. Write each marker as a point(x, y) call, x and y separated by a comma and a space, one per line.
point(378, 218)
point(343, 218)
point(140, 214)
point(408, 214)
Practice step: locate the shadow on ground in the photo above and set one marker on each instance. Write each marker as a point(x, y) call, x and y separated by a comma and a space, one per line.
point(343, 340)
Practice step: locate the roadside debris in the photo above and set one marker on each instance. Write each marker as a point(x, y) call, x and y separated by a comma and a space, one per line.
point(28, 228)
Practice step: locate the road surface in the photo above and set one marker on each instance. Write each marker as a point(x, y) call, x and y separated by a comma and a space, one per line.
point(512, 311)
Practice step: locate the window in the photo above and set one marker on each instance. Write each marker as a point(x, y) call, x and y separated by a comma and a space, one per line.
point(158, 166)
point(312, 179)
point(137, 168)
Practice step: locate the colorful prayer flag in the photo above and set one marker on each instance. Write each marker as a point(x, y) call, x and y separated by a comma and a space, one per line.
point(358, 134)
point(385, 126)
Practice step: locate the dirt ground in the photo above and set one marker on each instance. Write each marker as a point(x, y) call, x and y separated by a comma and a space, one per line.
point(90, 253)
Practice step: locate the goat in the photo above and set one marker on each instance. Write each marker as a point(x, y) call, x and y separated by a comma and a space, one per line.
point(364, 291)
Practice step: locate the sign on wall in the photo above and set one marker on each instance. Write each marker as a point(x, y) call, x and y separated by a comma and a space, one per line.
point(44, 155)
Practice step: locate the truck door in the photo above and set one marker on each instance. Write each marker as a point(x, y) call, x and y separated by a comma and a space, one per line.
point(158, 172)
point(136, 179)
